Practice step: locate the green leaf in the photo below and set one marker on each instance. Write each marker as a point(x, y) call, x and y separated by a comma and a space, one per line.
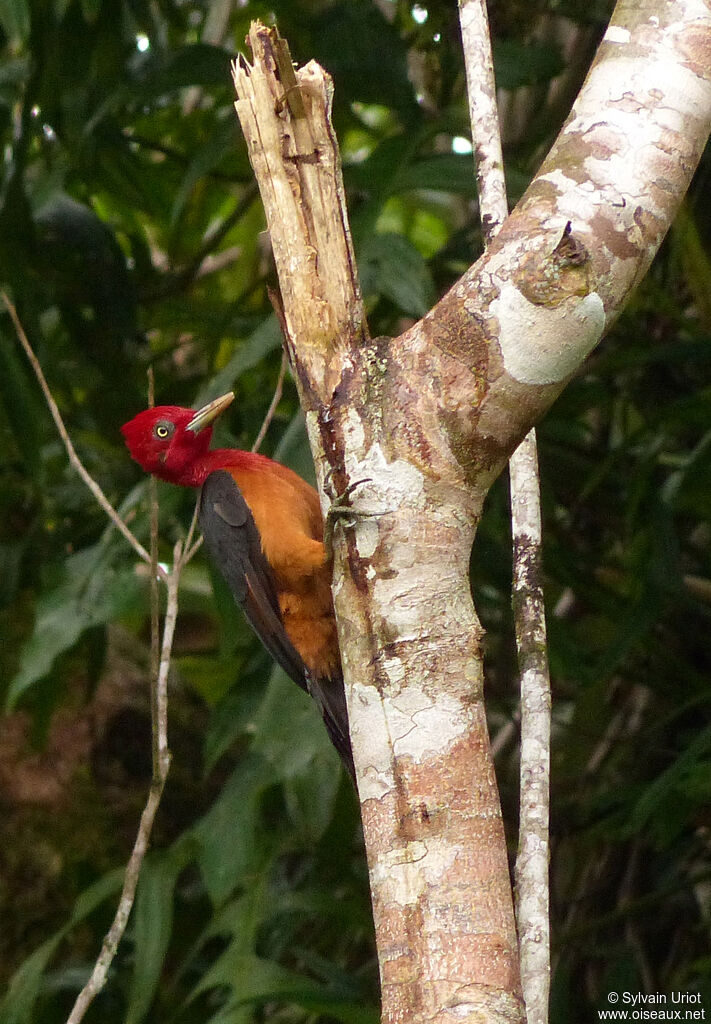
point(221, 144)
point(445, 172)
point(18, 1004)
point(229, 842)
point(669, 800)
point(311, 797)
point(695, 259)
point(369, 54)
point(241, 918)
point(385, 165)
point(259, 344)
point(16, 1007)
point(289, 732)
point(95, 895)
point(390, 265)
point(692, 479)
point(15, 19)
point(211, 677)
point(231, 718)
point(256, 980)
point(153, 923)
point(89, 593)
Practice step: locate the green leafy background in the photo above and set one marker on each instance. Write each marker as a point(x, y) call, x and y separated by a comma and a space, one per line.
point(131, 235)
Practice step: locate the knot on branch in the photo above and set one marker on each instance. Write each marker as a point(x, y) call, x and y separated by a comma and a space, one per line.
point(562, 274)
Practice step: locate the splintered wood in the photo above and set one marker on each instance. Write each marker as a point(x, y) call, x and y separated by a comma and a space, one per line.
point(285, 114)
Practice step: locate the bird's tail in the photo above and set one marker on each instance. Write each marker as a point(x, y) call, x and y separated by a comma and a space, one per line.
point(330, 696)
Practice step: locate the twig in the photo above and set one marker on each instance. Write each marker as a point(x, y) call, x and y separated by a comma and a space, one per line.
point(108, 951)
point(276, 398)
point(160, 664)
point(74, 459)
point(191, 551)
point(160, 772)
point(155, 606)
point(532, 895)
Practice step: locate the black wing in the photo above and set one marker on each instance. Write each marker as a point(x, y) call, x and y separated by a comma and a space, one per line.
point(233, 540)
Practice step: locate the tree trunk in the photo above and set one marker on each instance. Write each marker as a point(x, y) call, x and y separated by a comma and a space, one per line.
point(413, 430)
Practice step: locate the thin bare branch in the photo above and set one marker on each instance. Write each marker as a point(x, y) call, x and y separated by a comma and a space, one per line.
point(483, 115)
point(276, 398)
point(160, 773)
point(531, 872)
point(74, 459)
point(155, 604)
point(191, 551)
point(108, 951)
point(171, 614)
point(532, 897)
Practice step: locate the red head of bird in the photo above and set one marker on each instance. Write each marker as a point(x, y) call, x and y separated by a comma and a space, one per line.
point(172, 443)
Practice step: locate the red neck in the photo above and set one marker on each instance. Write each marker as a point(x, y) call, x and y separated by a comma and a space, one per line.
point(223, 458)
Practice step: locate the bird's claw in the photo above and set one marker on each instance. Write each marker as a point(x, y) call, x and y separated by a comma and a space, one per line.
point(340, 511)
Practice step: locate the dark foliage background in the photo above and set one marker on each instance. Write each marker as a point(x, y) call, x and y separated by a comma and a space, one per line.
point(131, 235)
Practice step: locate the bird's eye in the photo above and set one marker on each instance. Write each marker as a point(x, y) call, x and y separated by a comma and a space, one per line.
point(163, 430)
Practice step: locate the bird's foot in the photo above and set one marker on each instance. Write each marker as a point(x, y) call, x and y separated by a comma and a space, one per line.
point(341, 511)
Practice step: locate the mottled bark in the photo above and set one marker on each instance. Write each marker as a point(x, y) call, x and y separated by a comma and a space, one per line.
point(531, 872)
point(425, 422)
point(532, 857)
point(483, 115)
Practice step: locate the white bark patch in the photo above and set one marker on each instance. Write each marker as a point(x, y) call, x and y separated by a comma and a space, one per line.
point(620, 87)
point(354, 434)
point(617, 34)
point(382, 486)
point(663, 83)
point(389, 484)
point(632, 149)
point(367, 536)
point(694, 9)
point(580, 201)
point(417, 726)
point(369, 731)
point(419, 594)
point(464, 1010)
point(542, 345)
point(433, 727)
point(402, 875)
